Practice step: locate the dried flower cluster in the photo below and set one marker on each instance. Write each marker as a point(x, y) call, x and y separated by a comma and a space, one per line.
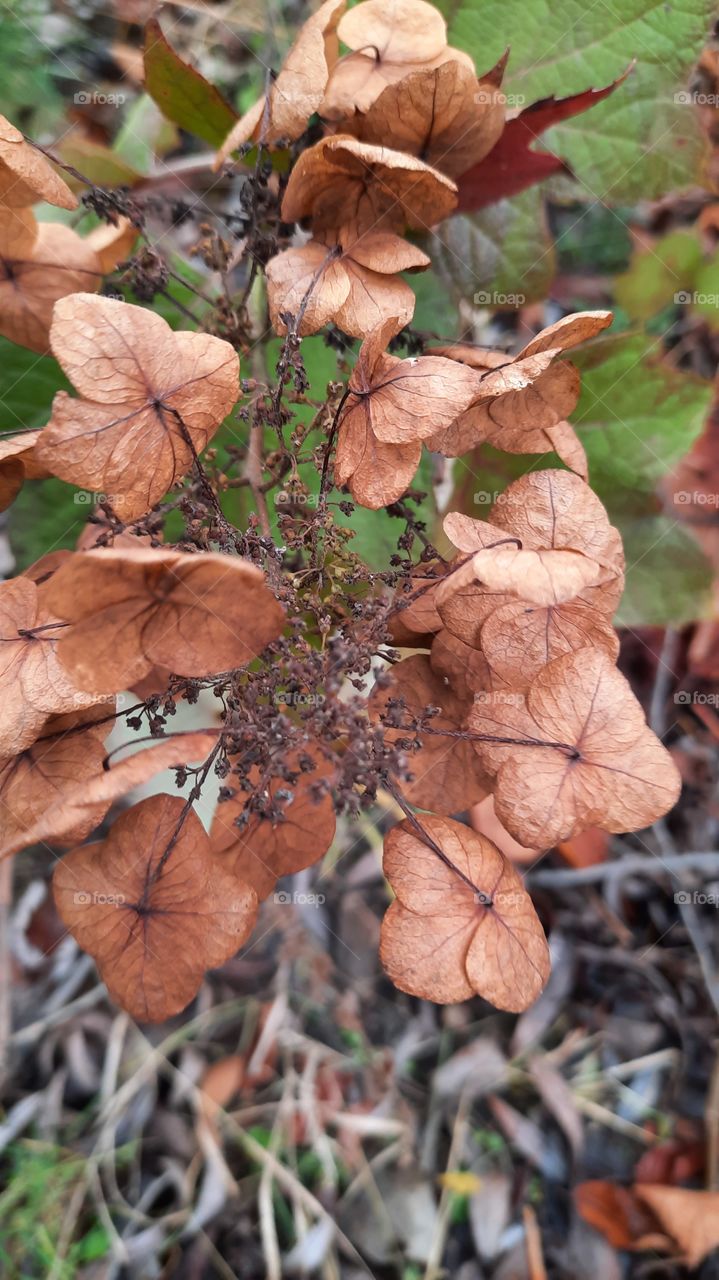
point(512, 691)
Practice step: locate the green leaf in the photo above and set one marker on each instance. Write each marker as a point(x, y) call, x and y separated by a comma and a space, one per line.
point(642, 141)
point(669, 580)
point(500, 257)
point(658, 274)
point(28, 383)
point(636, 418)
point(97, 163)
point(145, 134)
point(182, 93)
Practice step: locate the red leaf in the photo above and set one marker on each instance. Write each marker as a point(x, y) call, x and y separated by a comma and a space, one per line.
point(511, 165)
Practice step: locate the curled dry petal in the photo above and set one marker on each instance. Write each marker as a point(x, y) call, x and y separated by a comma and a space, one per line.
point(541, 577)
point(82, 802)
point(17, 464)
point(463, 924)
point(135, 609)
point(152, 399)
point(299, 88)
point(26, 176)
point(67, 755)
point(389, 42)
point(351, 187)
point(355, 287)
point(446, 778)
point(441, 114)
point(112, 244)
point(415, 618)
point(272, 846)
point(33, 682)
point(153, 907)
point(595, 762)
point(39, 264)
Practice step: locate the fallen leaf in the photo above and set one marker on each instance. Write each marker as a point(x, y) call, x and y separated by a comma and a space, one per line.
point(133, 609)
point(40, 263)
point(462, 924)
point(79, 805)
point(153, 908)
point(445, 770)
point(388, 41)
point(26, 176)
point(576, 753)
point(299, 88)
point(442, 115)
point(351, 187)
point(615, 1212)
point(355, 287)
point(288, 836)
point(690, 1217)
point(148, 394)
point(34, 683)
point(512, 165)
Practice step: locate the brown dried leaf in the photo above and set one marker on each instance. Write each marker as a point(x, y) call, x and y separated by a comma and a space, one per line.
point(26, 176)
point(41, 263)
point(84, 804)
point(518, 639)
point(446, 776)
point(355, 287)
point(390, 41)
point(299, 88)
point(112, 244)
point(595, 762)
point(67, 755)
point(690, 1217)
point(442, 115)
point(152, 400)
point(133, 609)
point(153, 908)
point(269, 847)
point(351, 187)
point(33, 682)
point(17, 464)
point(463, 923)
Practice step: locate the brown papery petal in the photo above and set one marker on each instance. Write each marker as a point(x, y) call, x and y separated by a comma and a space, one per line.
point(446, 777)
point(399, 30)
point(541, 577)
point(153, 907)
point(26, 176)
point(42, 262)
point(519, 639)
point(134, 609)
point(595, 762)
point(442, 115)
point(154, 399)
point(463, 923)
